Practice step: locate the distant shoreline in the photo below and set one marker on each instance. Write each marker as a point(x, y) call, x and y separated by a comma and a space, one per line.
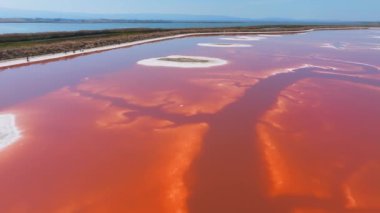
point(16, 20)
point(100, 21)
point(161, 36)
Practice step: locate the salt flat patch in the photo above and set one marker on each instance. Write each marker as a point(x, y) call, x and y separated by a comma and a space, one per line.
point(349, 46)
point(339, 46)
point(270, 35)
point(223, 45)
point(304, 66)
point(244, 38)
point(9, 133)
point(181, 61)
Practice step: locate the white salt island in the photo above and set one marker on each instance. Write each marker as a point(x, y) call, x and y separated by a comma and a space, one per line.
point(223, 45)
point(244, 38)
point(181, 61)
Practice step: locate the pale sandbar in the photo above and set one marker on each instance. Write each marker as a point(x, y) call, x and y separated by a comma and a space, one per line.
point(181, 61)
point(244, 38)
point(223, 45)
point(337, 46)
point(270, 35)
point(9, 133)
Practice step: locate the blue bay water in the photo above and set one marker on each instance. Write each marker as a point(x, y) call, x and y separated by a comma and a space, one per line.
point(7, 28)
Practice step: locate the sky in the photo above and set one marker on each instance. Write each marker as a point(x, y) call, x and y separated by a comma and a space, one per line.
point(344, 10)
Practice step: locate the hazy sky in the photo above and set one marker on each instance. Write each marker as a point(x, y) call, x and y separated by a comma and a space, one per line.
point(297, 9)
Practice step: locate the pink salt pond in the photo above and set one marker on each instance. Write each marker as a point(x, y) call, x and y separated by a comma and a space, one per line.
point(286, 126)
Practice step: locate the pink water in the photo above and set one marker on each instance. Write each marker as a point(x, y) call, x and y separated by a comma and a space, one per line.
point(264, 133)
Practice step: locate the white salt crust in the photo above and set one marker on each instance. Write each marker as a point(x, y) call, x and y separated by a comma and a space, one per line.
point(223, 45)
point(9, 133)
point(342, 46)
point(156, 62)
point(270, 35)
point(244, 38)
